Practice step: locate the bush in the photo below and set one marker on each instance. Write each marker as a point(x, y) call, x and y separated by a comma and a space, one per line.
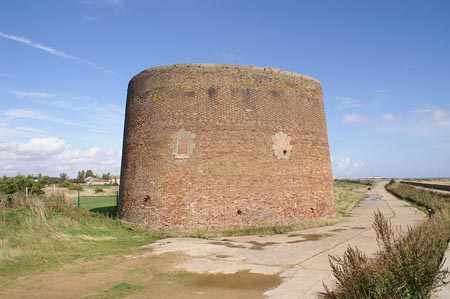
point(407, 266)
point(98, 190)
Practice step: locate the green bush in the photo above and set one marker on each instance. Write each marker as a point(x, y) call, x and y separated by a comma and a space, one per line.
point(20, 183)
point(98, 190)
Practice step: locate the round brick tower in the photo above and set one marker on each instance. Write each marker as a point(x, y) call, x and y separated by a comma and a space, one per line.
point(215, 147)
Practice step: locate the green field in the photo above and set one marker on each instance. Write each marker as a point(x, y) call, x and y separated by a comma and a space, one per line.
point(99, 204)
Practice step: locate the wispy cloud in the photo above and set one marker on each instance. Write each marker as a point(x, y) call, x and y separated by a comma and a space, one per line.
point(346, 103)
point(26, 113)
point(61, 101)
point(38, 115)
point(380, 92)
point(433, 117)
point(53, 51)
point(89, 18)
point(31, 94)
point(3, 75)
point(117, 4)
point(389, 117)
point(355, 118)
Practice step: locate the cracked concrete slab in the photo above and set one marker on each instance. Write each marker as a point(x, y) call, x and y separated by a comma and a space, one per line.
point(301, 262)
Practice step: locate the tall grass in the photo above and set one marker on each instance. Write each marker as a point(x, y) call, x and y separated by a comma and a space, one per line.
point(409, 263)
point(420, 197)
point(345, 196)
point(39, 233)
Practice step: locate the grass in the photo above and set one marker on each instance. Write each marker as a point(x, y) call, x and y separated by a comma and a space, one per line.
point(119, 290)
point(100, 204)
point(41, 233)
point(345, 196)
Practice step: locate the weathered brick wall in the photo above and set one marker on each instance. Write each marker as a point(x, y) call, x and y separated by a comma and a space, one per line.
point(231, 171)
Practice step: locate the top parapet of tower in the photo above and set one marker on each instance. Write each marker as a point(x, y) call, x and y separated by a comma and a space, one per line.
point(218, 67)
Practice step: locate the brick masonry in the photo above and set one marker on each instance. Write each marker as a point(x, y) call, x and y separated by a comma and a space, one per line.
point(215, 147)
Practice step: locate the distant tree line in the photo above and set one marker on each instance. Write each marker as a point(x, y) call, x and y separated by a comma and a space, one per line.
point(36, 183)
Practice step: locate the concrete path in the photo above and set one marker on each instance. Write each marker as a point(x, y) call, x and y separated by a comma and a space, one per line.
point(300, 258)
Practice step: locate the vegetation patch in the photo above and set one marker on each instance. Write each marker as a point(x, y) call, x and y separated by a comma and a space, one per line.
point(409, 263)
point(346, 197)
point(120, 290)
point(40, 233)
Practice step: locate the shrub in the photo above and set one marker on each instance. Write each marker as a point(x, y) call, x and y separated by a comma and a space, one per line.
point(98, 190)
point(407, 266)
point(409, 263)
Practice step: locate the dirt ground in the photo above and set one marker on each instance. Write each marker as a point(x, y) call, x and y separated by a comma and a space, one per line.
point(141, 275)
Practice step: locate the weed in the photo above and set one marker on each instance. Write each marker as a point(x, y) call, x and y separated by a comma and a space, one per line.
point(409, 263)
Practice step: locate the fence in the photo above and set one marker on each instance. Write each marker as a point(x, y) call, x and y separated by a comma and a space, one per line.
point(104, 203)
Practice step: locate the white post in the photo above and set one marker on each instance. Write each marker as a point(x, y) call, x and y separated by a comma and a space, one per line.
point(54, 188)
point(26, 192)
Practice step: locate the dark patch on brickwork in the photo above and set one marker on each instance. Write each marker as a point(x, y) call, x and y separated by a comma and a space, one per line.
point(233, 178)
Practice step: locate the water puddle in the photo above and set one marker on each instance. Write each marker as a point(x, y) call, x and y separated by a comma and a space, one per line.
point(372, 198)
point(227, 244)
point(307, 237)
point(260, 246)
point(358, 228)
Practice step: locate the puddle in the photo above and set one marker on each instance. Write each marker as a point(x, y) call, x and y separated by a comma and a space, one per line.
point(243, 280)
point(260, 246)
point(227, 244)
point(358, 227)
point(222, 256)
point(372, 198)
point(308, 237)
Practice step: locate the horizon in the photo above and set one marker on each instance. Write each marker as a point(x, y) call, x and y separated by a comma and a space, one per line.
point(384, 69)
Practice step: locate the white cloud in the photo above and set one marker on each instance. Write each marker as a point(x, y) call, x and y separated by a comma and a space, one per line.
point(389, 117)
point(8, 76)
point(345, 167)
point(51, 155)
point(54, 51)
point(38, 115)
point(117, 4)
point(33, 94)
point(380, 92)
point(89, 18)
point(346, 103)
point(355, 118)
point(435, 117)
point(26, 113)
point(36, 147)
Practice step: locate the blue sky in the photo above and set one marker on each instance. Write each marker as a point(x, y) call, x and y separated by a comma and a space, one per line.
point(384, 68)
